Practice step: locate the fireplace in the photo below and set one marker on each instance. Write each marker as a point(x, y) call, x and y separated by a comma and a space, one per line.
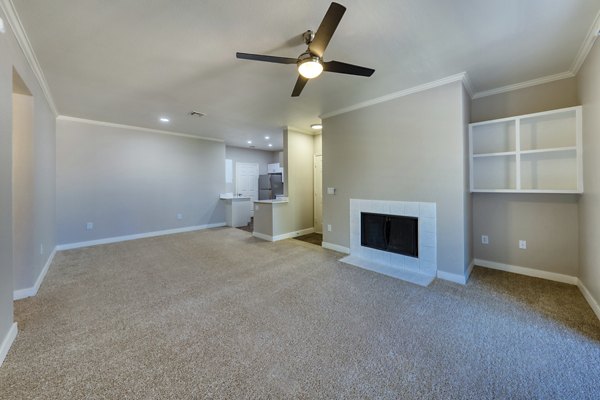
point(395, 238)
point(393, 233)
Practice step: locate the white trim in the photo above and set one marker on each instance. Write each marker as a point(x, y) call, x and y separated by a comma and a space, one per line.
point(469, 270)
point(70, 246)
point(32, 291)
point(523, 85)
point(335, 247)
point(590, 299)
point(288, 235)
point(456, 278)
point(262, 236)
point(132, 127)
point(305, 131)
point(586, 46)
point(8, 341)
point(468, 85)
point(536, 273)
point(14, 21)
point(392, 96)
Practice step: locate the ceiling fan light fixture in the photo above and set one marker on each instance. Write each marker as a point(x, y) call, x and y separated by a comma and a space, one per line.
point(310, 67)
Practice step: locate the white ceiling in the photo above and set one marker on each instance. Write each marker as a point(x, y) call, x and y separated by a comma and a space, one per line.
point(129, 62)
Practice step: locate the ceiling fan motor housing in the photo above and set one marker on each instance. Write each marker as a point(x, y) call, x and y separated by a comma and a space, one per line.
point(308, 36)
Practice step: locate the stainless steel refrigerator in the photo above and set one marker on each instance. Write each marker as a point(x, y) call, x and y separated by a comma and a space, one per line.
point(269, 186)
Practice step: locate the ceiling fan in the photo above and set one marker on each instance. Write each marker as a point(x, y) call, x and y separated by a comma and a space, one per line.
point(310, 63)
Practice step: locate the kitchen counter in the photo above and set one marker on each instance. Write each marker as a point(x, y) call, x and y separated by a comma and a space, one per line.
point(271, 219)
point(273, 201)
point(237, 209)
point(230, 196)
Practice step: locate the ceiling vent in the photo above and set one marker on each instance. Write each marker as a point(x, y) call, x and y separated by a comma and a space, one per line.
point(197, 114)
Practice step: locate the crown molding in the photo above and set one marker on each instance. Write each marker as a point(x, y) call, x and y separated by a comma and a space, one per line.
point(468, 85)
point(300, 130)
point(14, 21)
point(135, 128)
point(526, 84)
point(586, 46)
point(392, 96)
point(582, 54)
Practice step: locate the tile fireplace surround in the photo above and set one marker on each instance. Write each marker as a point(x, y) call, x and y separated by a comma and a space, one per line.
point(421, 270)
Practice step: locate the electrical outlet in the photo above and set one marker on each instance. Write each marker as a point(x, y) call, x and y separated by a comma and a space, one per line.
point(328, 227)
point(41, 249)
point(89, 226)
point(330, 190)
point(485, 239)
point(523, 244)
point(179, 216)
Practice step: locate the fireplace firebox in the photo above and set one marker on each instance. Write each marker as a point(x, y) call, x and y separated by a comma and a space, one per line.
point(393, 233)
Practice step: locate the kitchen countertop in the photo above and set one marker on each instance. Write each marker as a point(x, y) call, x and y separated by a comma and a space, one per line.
point(232, 197)
point(273, 201)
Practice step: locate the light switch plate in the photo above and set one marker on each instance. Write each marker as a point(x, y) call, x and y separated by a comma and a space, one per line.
point(330, 190)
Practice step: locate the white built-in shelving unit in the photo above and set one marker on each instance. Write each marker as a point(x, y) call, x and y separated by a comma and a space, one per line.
point(534, 153)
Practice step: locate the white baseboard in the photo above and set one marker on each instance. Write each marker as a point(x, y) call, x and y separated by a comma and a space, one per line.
point(590, 299)
point(536, 273)
point(469, 270)
point(335, 247)
point(262, 236)
point(456, 278)
point(288, 235)
point(70, 246)
point(8, 341)
point(32, 291)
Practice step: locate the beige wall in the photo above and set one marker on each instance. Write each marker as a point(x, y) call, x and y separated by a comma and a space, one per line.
point(43, 159)
point(589, 205)
point(410, 149)
point(299, 163)
point(130, 181)
point(318, 143)
point(23, 191)
point(547, 221)
point(549, 96)
point(549, 224)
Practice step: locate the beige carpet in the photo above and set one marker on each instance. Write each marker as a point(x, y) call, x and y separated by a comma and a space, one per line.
point(220, 314)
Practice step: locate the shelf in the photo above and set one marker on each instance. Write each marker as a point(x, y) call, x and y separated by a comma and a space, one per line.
point(525, 191)
point(506, 153)
point(535, 153)
point(554, 170)
point(552, 150)
point(549, 130)
point(495, 172)
point(494, 138)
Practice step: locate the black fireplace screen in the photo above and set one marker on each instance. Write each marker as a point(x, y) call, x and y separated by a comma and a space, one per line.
point(394, 233)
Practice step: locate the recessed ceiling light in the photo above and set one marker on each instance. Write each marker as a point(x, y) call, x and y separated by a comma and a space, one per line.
point(270, 145)
point(164, 119)
point(316, 127)
point(249, 141)
point(267, 138)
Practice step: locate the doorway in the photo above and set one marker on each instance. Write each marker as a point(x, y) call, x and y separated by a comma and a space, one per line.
point(23, 185)
point(318, 194)
point(246, 182)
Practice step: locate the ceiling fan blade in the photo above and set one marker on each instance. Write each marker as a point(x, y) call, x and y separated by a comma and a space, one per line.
point(343, 68)
point(300, 83)
point(272, 59)
point(326, 29)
